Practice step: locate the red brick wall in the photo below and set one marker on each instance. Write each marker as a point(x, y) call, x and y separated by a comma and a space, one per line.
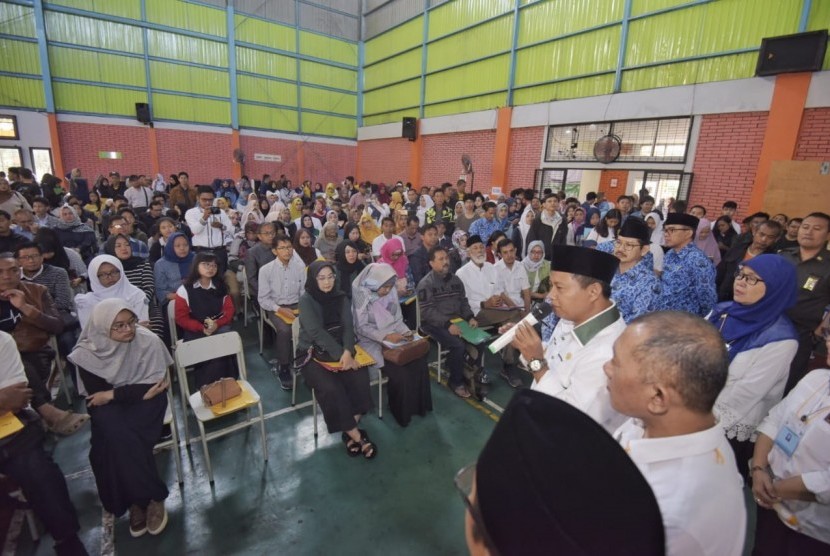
point(526, 145)
point(204, 156)
point(326, 163)
point(80, 144)
point(814, 136)
point(384, 160)
point(611, 193)
point(442, 158)
point(727, 159)
point(255, 169)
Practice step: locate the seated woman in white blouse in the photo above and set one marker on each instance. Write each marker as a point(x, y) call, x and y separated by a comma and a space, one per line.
point(761, 342)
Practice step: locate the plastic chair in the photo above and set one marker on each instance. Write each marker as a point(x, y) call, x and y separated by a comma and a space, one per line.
point(194, 352)
point(246, 295)
point(173, 443)
point(263, 322)
point(171, 324)
point(57, 368)
point(441, 352)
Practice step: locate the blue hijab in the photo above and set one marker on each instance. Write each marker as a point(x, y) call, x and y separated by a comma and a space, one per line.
point(170, 255)
point(742, 322)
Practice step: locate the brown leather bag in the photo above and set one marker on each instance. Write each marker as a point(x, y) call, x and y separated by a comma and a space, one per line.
point(406, 353)
point(220, 391)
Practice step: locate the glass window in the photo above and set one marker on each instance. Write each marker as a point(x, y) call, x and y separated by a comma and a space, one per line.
point(8, 127)
point(41, 161)
point(662, 185)
point(557, 180)
point(10, 157)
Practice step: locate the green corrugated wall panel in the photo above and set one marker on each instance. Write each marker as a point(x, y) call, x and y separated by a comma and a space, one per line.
point(185, 15)
point(73, 63)
point(189, 109)
point(317, 124)
point(470, 79)
point(122, 8)
point(389, 117)
point(403, 66)
point(576, 88)
point(17, 20)
point(393, 97)
point(328, 101)
point(722, 68)
point(646, 6)
point(188, 79)
point(578, 55)
point(266, 117)
point(820, 19)
point(478, 42)
point(264, 63)
point(19, 57)
point(328, 48)
point(485, 102)
point(95, 99)
point(265, 33)
point(456, 15)
point(408, 35)
point(85, 31)
point(550, 19)
point(709, 29)
point(265, 90)
point(328, 76)
point(23, 93)
point(188, 49)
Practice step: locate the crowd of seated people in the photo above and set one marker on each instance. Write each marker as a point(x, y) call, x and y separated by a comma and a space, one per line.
point(97, 267)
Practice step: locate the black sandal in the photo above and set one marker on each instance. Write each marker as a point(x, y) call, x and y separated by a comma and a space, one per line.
point(353, 447)
point(367, 447)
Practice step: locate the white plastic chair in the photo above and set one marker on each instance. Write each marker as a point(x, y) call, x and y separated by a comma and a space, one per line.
point(171, 324)
point(171, 421)
point(194, 352)
point(246, 294)
point(441, 352)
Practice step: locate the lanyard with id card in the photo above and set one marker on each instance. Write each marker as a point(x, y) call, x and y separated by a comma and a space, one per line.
point(788, 439)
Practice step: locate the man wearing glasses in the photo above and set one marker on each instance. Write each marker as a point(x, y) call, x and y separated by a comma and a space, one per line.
point(281, 283)
point(259, 255)
point(688, 274)
point(208, 224)
point(763, 241)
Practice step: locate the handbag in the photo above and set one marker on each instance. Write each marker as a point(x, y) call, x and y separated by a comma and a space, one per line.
point(406, 353)
point(220, 391)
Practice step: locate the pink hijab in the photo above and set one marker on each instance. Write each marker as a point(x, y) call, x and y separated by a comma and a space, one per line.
point(709, 246)
point(400, 266)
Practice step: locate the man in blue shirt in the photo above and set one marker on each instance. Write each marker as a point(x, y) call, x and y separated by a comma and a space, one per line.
point(635, 287)
point(688, 274)
point(483, 227)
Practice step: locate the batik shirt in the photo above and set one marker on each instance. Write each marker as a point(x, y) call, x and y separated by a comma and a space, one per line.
point(688, 282)
point(484, 228)
point(637, 290)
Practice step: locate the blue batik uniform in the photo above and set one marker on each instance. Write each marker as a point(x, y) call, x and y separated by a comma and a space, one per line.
point(484, 228)
point(688, 282)
point(637, 290)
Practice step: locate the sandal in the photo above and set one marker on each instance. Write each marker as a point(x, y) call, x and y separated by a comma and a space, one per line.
point(367, 447)
point(69, 423)
point(352, 447)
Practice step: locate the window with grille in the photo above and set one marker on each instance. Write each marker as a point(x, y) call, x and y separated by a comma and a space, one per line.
point(8, 127)
point(664, 140)
point(568, 180)
point(662, 185)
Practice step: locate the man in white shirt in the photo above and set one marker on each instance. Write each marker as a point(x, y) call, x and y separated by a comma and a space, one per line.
point(138, 194)
point(208, 224)
point(569, 365)
point(387, 227)
point(281, 282)
point(666, 372)
point(515, 287)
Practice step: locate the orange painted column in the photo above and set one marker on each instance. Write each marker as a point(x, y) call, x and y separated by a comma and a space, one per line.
point(502, 150)
point(237, 167)
point(416, 151)
point(783, 124)
point(57, 157)
point(154, 150)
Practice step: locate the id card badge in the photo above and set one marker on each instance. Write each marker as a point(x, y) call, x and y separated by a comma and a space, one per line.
point(810, 283)
point(787, 440)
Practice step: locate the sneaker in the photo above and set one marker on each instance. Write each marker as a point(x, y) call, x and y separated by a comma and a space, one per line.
point(138, 521)
point(156, 517)
point(511, 378)
point(286, 380)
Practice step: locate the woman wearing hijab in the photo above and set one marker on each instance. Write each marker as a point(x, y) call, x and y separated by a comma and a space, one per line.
point(307, 224)
point(327, 328)
point(331, 194)
point(140, 274)
point(458, 254)
point(326, 244)
point(319, 211)
point(761, 342)
point(369, 229)
point(395, 201)
point(392, 253)
point(296, 207)
point(351, 232)
point(655, 223)
point(251, 211)
point(173, 268)
point(378, 319)
point(607, 228)
point(724, 234)
point(577, 223)
point(424, 204)
point(75, 234)
point(519, 236)
point(592, 218)
point(123, 368)
point(538, 271)
point(706, 242)
point(304, 247)
point(348, 264)
point(383, 195)
point(108, 281)
point(275, 212)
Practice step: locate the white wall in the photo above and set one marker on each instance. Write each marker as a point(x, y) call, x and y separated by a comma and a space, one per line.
point(33, 129)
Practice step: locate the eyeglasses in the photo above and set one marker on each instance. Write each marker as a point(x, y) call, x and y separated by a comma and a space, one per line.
point(464, 481)
point(750, 280)
point(29, 257)
point(626, 246)
point(325, 277)
point(111, 274)
point(673, 229)
point(124, 326)
point(208, 265)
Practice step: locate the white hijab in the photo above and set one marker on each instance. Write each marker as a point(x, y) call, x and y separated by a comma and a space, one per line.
point(524, 228)
point(424, 203)
point(656, 247)
point(135, 298)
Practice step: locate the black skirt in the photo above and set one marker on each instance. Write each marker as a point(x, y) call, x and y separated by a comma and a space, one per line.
point(408, 390)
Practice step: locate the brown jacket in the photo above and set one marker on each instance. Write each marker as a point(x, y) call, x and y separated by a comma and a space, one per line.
point(177, 196)
point(32, 333)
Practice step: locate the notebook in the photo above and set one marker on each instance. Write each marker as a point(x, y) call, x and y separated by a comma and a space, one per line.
point(363, 359)
point(471, 335)
point(9, 424)
point(287, 320)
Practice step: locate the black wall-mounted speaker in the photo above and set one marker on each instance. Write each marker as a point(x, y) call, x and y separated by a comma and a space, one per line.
point(792, 53)
point(142, 112)
point(409, 128)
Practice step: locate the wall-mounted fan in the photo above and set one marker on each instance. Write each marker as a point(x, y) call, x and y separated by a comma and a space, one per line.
point(607, 148)
point(467, 164)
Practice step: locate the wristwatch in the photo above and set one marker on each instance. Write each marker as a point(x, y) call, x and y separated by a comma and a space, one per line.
point(537, 365)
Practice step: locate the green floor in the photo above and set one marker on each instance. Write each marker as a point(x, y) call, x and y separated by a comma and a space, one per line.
point(310, 498)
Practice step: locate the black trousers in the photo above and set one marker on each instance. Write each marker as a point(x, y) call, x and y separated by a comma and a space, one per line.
point(455, 357)
point(37, 366)
point(341, 395)
point(798, 367)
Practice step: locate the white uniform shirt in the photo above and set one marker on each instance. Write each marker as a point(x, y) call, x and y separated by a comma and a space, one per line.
point(697, 486)
point(512, 281)
point(811, 458)
point(479, 283)
point(11, 371)
point(139, 197)
point(575, 372)
point(280, 284)
point(205, 235)
point(378, 242)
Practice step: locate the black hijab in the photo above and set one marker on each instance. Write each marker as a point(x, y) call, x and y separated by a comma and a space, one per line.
point(109, 249)
point(49, 242)
point(362, 246)
point(345, 269)
point(329, 301)
point(307, 254)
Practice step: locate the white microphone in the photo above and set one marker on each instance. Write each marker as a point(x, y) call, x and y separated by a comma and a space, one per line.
point(539, 312)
